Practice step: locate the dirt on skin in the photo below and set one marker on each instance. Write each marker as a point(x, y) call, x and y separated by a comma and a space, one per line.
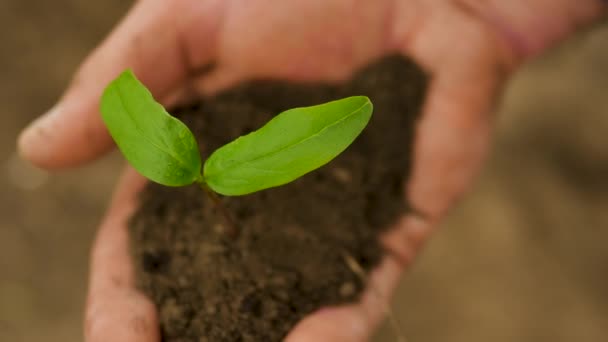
point(288, 259)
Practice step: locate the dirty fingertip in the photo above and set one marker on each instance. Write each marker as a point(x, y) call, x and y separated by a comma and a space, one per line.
point(35, 143)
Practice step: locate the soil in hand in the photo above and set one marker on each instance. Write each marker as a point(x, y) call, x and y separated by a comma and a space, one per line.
point(288, 259)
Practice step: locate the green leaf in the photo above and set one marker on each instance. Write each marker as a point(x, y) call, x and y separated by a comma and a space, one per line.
point(290, 145)
point(156, 144)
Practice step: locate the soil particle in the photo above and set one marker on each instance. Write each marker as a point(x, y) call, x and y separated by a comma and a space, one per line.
point(288, 259)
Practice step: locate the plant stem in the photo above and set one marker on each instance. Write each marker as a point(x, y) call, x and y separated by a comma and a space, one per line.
point(231, 228)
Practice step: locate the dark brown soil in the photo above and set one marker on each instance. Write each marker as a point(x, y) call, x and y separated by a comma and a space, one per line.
point(288, 260)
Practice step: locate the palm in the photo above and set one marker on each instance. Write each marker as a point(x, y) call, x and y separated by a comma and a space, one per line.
point(171, 49)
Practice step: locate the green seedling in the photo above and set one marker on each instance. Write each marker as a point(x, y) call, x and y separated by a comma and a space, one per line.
point(293, 143)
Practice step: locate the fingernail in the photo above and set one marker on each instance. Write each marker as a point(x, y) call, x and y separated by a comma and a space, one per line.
point(35, 142)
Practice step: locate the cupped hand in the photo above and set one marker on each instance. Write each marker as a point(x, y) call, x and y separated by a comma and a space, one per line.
point(181, 48)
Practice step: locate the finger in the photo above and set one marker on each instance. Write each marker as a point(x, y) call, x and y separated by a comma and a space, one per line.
point(357, 322)
point(115, 310)
point(150, 41)
point(467, 65)
point(452, 141)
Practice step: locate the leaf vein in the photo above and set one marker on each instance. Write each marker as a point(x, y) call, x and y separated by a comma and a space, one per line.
point(144, 135)
point(312, 136)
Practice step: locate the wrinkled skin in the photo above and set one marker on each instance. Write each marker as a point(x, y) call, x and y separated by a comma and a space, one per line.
point(468, 47)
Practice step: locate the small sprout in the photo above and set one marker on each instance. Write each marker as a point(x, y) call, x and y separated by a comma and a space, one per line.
point(293, 143)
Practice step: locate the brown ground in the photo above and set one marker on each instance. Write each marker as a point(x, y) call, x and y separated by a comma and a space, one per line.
point(523, 258)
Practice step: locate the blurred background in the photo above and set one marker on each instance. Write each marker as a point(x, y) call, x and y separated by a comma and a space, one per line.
point(522, 258)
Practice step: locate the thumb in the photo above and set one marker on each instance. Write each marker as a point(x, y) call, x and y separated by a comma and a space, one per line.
point(148, 41)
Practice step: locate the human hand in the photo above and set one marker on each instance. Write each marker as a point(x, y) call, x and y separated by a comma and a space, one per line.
point(467, 46)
